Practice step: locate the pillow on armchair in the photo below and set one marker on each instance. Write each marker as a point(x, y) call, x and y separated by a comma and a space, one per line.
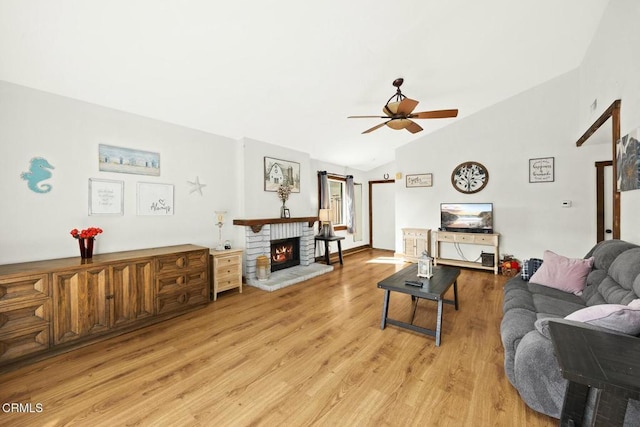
point(562, 273)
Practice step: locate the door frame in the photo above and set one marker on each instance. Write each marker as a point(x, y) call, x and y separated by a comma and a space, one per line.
point(612, 112)
point(600, 211)
point(371, 183)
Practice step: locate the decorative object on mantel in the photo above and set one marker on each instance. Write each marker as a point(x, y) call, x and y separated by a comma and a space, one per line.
point(220, 218)
point(284, 190)
point(37, 173)
point(85, 240)
point(196, 186)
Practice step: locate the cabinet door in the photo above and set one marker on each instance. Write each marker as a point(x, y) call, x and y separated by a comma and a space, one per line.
point(79, 304)
point(409, 245)
point(132, 292)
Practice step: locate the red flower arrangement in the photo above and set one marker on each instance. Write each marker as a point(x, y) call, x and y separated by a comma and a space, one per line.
point(87, 233)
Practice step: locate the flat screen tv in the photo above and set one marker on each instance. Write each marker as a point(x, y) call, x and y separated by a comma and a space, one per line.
point(467, 217)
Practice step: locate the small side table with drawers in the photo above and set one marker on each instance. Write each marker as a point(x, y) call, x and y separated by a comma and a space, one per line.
point(226, 266)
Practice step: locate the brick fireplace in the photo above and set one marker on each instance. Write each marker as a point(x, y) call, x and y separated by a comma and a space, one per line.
point(260, 233)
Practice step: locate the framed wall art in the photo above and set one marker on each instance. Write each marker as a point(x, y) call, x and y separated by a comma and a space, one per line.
point(278, 172)
point(106, 197)
point(155, 199)
point(419, 180)
point(628, 161)
point(128, 160)
point(541, 169)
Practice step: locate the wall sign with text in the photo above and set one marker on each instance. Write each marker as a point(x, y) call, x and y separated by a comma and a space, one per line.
point(541, 169)
point(419, 180)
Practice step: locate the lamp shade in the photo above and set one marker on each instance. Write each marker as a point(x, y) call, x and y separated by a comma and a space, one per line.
point(324, 215)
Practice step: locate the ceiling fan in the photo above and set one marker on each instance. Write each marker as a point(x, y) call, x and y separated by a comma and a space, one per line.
point(400, 112)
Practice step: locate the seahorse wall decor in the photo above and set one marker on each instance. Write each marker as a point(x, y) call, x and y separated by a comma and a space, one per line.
point(38, 172)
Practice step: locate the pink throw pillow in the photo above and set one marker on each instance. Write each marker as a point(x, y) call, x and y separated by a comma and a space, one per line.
point(565, 274)
point(618, 317)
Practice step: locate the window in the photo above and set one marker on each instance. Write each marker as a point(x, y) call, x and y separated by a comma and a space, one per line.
point(337, 192)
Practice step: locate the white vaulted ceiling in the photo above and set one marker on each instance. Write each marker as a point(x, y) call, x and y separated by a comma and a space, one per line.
point(289, 72)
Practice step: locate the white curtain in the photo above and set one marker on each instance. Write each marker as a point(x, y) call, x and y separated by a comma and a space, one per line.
point(325, 197)
point(351, 205)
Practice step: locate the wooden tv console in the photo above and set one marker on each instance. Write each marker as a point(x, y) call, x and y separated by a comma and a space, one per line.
point(487, 239)
point(49, 307)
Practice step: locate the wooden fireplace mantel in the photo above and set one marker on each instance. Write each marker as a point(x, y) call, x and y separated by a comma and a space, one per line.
point(256, 224)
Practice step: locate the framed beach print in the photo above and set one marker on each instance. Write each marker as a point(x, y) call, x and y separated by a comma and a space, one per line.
point(278, 172)
point(106, 197)
point(155, 199)
point(128, 160)
point(541, 169)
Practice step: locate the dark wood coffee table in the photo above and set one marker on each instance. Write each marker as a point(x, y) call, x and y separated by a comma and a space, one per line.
point(432, 289)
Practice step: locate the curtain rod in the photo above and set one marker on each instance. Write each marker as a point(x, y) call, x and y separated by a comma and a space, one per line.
point(334, 174)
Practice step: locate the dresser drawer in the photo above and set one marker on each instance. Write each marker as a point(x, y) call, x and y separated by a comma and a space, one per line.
point(24, 288)
point(181, 261)
point(24, 342)
point(177, 283)
point(486, 239)
point(179, 301)
point(446, 237)
point(24, 315)
point(465, 238)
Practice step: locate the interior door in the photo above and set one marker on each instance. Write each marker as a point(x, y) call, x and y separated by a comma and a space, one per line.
point(604, 200)
point(382, 196)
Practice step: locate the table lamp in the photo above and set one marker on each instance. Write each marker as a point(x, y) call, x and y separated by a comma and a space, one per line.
point(324, 216)
point(220, 218)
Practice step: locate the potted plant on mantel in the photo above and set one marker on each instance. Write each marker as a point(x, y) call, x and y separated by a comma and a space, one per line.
point(284, 190)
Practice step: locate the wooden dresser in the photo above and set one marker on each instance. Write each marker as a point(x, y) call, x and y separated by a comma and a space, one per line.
point(226, 268)
point(47, 307)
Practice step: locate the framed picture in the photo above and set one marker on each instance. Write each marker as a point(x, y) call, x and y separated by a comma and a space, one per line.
point(155, 199)
point(541, 169)
point(106, 197)
point(628, 162)
point(127, 160)
point(278, 172)
point(419, 180)
point(286, 213)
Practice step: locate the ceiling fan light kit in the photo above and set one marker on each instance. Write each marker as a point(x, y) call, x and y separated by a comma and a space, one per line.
point(399, 112)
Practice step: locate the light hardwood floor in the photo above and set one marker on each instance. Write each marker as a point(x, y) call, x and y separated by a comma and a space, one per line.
point(309, 354)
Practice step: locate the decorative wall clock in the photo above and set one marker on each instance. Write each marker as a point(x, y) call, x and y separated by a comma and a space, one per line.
point(469, 177)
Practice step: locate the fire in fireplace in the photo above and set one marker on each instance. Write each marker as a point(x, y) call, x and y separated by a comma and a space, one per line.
point(285, 253)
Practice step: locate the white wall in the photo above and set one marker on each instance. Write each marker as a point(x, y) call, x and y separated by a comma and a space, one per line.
point(540, 122)
point(67, 132)
point(608, 72)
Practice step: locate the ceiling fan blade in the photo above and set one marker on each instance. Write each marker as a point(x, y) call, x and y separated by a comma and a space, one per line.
point(413, 127)
point(436, 114)
point(406, 106)
point(375, 127)
point(366, 117)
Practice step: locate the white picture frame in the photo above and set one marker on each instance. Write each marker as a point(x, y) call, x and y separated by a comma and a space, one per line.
point(106, 197)
point(155, 199)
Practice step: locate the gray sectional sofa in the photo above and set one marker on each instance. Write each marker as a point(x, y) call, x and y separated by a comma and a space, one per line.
point(529, 359)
